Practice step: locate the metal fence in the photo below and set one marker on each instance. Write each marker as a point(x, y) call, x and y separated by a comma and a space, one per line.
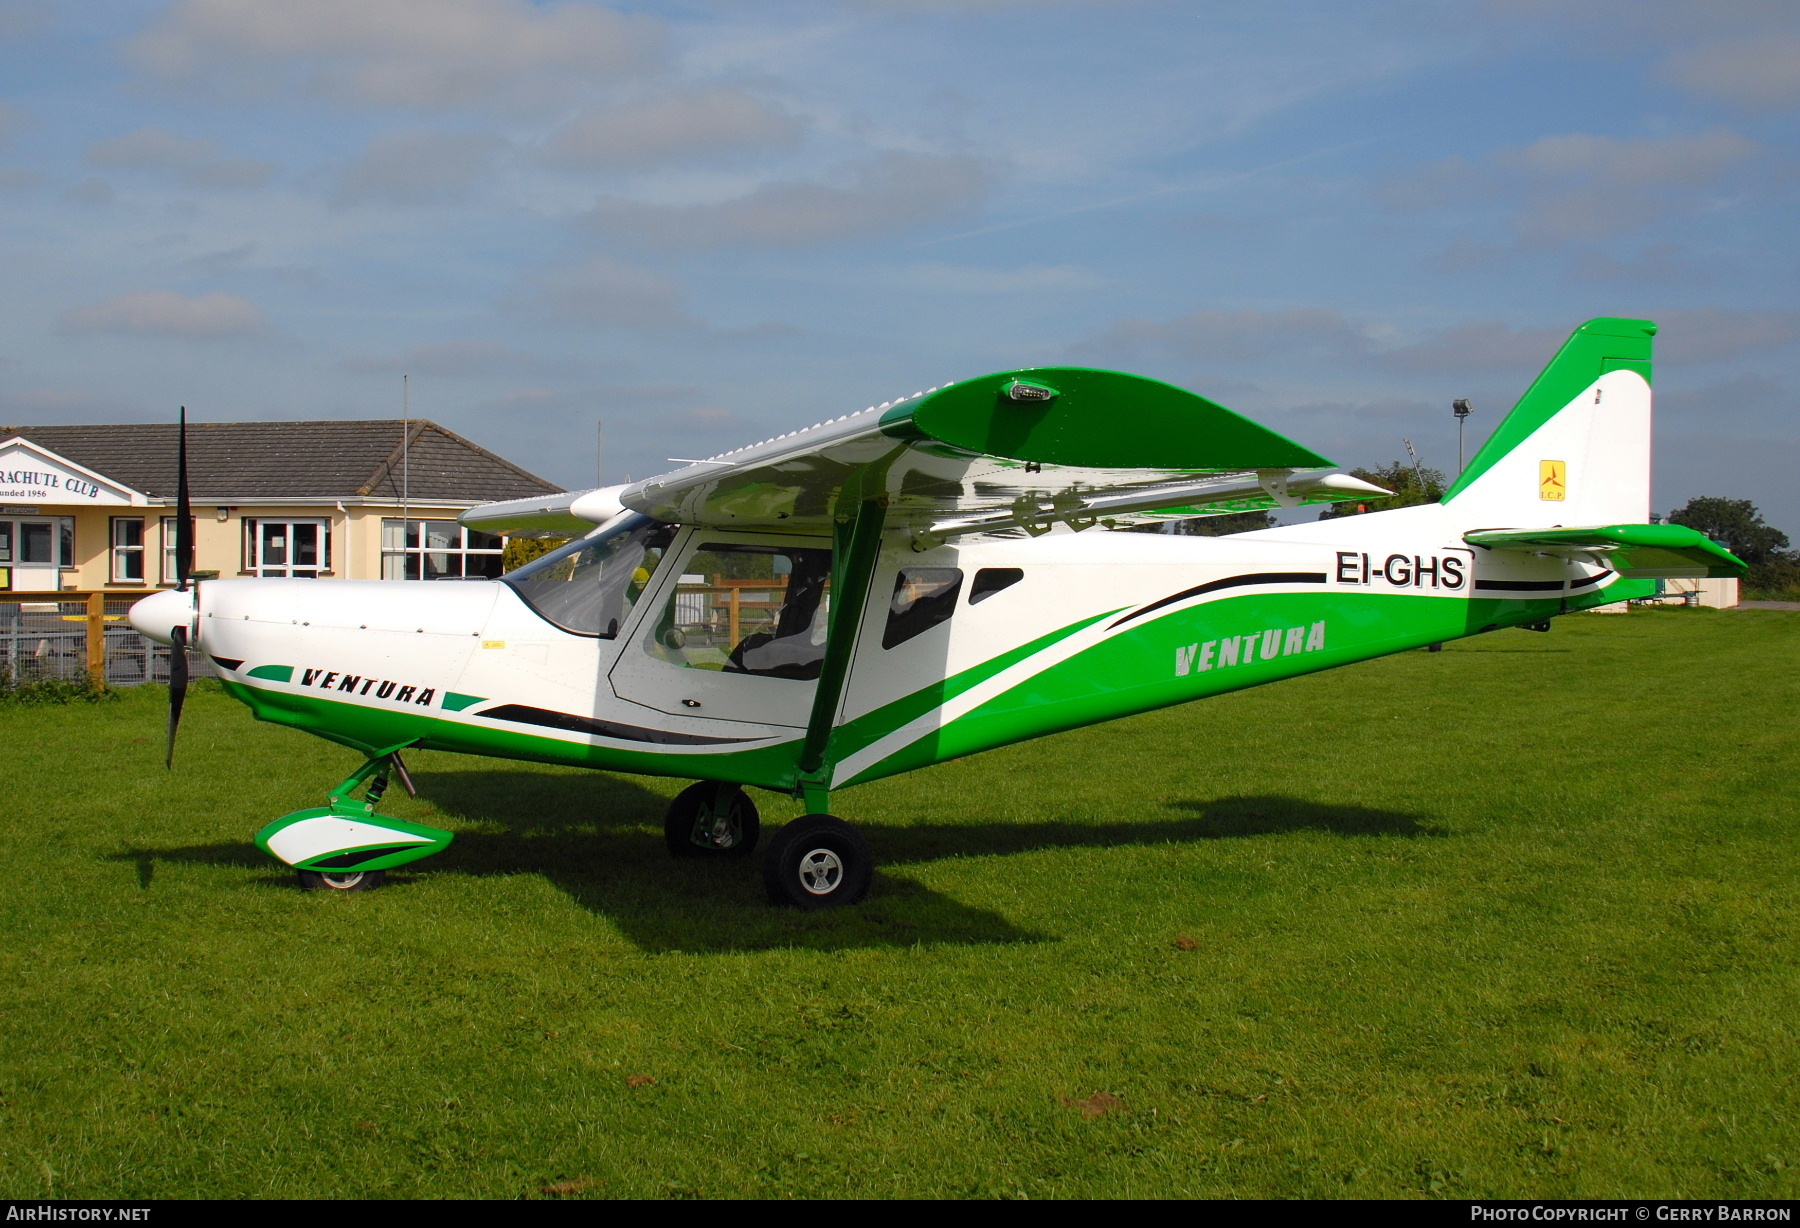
point(42, 640)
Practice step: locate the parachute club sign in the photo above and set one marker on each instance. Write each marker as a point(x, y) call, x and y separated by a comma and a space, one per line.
point(19, 485)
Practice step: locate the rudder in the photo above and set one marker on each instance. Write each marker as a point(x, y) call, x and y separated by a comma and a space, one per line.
point(1575, 450)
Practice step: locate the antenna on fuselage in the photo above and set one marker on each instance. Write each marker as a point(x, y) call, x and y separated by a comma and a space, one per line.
point(406, 475)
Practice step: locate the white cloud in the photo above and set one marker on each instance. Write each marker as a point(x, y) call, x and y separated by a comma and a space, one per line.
point(1710, 334)
point(197, 163)
point(1665, 263)
point(1632, 162)
point(1758, 75)
point(966, 279)
point(1478, 345)
point(688, 124)
point(92, 191)
point(164, 313)
point(428, 54)
point(23, 18)
point(606, 292)
point(894, 191)
point(448, 358)
point(416, 168)
point(1579, 187)
point(1235, 336)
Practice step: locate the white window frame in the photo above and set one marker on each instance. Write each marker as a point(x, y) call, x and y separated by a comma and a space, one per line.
point(253, 538)
point(123, 553)
point(166, 534)
point(415, 532)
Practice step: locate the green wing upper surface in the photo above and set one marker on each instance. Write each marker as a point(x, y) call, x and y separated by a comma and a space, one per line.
point(1015, 449)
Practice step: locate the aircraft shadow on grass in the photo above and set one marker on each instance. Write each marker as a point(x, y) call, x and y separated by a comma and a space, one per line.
point(586, 836)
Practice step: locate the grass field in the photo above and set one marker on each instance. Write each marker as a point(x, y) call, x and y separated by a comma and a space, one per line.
point(1516, 919)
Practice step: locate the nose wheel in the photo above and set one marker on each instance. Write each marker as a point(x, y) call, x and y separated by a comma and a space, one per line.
point(818, 862)
point(354, 880)
point(712, 819)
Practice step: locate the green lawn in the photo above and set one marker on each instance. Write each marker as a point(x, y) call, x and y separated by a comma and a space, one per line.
point(1517, 919)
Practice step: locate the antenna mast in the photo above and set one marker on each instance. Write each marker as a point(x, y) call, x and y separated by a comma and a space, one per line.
point(1418, 473)
point(406, 475)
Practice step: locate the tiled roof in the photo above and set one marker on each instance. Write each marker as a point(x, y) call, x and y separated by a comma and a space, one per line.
point(244, 461)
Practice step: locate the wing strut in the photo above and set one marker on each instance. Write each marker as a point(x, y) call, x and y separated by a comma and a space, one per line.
point(858, 548)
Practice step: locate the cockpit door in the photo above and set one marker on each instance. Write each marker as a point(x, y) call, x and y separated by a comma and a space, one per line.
point(738, 632)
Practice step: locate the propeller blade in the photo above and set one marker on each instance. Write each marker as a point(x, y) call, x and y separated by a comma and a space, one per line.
point(184, 511)
point(178, 685)
point(184, 570)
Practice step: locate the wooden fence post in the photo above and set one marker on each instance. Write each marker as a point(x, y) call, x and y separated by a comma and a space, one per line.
point(735, 637)
point(96, 638)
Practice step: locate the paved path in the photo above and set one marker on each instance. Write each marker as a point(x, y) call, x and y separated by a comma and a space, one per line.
point(1768, 605)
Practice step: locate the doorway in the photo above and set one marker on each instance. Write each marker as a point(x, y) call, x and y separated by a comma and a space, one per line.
point(738, 632)
point(34, 552)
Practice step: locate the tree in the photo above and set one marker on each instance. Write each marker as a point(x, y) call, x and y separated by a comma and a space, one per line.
point(1411, 484)
point(521, 550)
point(1734, 524)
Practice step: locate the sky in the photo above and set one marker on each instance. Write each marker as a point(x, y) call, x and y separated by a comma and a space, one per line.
point(706, 223)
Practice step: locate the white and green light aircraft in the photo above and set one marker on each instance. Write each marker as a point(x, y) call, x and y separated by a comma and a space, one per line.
point(925, 579)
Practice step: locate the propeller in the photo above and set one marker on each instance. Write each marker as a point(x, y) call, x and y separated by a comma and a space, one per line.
point(184, 569)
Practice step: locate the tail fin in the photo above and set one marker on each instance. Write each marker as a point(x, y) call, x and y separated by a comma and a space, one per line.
point(1575, 450)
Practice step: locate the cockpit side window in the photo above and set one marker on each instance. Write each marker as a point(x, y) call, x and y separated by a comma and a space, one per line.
point(923, 598)
point(589, 586)
point(990, 580)
point(747, 609)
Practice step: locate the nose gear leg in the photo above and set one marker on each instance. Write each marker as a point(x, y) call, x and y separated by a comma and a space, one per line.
point(345, 844)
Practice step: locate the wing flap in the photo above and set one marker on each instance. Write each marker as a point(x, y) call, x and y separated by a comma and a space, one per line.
point(1635, 551)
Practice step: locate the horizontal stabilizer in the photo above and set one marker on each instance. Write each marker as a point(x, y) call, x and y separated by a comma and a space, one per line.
point(1635, 551)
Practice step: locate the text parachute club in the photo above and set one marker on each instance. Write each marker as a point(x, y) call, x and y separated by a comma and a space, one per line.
point(359, 686)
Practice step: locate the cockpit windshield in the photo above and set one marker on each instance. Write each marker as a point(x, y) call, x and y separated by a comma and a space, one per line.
point(589, 586)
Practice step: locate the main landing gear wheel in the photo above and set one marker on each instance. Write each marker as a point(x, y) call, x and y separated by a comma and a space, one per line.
point(346, 880)
point(712, 820)
point(818, 862)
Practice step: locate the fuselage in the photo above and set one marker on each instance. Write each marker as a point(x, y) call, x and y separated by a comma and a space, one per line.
point(1012, 638)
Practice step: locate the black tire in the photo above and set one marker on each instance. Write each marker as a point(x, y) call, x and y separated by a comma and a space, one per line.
point(712, 820)
point(341, 881)
point(818, 862)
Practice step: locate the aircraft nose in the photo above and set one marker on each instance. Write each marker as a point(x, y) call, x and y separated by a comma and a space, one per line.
point(157, 615)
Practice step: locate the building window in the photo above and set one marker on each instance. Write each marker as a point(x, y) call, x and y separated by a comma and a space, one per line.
point(128, 549)
point(169, 575)
point(438, 550)
point(47, 542)
point(294, 548)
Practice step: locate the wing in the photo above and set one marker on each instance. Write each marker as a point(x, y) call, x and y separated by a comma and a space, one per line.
point(1016, 451)
point(1635, 551)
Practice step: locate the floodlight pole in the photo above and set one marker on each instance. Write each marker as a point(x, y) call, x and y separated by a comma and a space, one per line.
point(1462, 409)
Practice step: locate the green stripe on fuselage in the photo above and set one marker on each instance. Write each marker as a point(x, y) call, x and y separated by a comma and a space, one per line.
point(1136, 670)
point(371, 730)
